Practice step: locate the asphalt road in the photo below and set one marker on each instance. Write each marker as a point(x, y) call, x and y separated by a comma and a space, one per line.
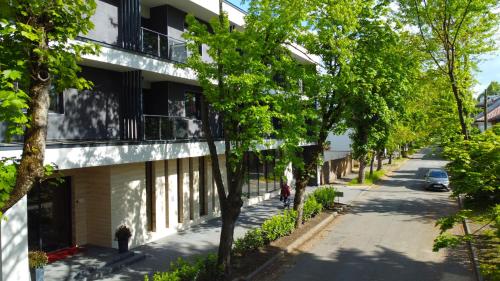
point(387, 235)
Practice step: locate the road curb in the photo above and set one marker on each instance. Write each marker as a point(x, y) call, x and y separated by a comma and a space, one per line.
point(472, 249)
point(293, 246)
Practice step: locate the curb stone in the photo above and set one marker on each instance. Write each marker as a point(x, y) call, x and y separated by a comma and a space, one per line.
point(294, 245)
point(472, 249)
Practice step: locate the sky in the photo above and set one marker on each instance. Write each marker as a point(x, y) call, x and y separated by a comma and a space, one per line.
point(489, 71)
point(488, 67)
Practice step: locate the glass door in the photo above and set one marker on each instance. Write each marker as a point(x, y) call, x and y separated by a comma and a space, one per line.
point(49, 215)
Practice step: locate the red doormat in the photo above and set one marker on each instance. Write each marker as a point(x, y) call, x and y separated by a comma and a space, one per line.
point(64, 253)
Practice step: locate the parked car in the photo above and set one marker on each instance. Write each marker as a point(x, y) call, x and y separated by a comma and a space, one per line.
point(437, 179)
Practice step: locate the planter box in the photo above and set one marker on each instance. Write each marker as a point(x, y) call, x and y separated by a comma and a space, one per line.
point(37, 274)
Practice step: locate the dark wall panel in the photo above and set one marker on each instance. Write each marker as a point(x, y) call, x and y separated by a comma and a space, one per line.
point(156, 99)
point(158, 19)
point(90, 114)
point(176, 22)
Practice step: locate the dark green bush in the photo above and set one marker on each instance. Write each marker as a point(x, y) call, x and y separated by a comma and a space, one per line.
point(202, 269)
point(311, 208)
point(279, 225)
point(252, 240)
point(325, 196)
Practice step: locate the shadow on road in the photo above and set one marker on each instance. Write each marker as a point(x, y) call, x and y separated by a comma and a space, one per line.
point(381, 264)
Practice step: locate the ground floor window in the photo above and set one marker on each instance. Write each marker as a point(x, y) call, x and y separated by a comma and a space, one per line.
point(150, 197)
point(49, 215)
point(203, 188)
point(260, 176)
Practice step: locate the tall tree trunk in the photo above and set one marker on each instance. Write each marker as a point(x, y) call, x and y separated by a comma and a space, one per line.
point(379, 160)
point(460, 109)
point(450, 53)
point(361, 171)
point(31, 167)
point(390, 158)
point(371, 164)
point(298, 201)
point(232, 210)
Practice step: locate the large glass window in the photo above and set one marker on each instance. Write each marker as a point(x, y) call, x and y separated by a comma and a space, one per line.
point(253, 174)
point(56, 104)
point(263, 173)
point(193, 105)
point(49, 215)
point(203, 190)
point(150, 197)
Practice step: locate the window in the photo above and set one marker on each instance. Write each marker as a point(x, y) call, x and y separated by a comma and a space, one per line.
point(150, 197)
point(203, 190)
point(56, 104)
point(193, 105)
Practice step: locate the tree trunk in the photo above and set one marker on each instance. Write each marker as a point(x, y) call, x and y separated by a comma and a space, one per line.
point(298, 200)
point(456, 92)
point(371, 164)
point(361, 172)
point(390, 158)
point(379, 160)
point(229, 217)
point(31, 168)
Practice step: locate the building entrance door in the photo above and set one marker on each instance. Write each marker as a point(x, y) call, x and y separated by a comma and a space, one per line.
point(49, 215)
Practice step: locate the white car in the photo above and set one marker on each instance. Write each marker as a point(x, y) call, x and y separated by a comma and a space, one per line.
point(437, 179)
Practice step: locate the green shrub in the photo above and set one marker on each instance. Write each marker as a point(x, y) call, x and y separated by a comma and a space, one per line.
point(252, 240)
point(203, 269)
point(325, 196)
point(279, 225)
point(311, 208)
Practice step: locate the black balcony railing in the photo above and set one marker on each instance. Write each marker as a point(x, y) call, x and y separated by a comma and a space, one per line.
point(163, 46)
point(171, 128)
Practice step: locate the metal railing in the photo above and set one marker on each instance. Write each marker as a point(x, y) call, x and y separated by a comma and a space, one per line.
point(171, 128)
point(163, 46)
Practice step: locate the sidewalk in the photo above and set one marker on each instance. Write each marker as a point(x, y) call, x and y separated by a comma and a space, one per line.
point(204, 238)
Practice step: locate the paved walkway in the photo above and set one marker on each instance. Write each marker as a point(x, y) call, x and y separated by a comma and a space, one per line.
point(204, 238)
point(197, 240)
point(387, 235)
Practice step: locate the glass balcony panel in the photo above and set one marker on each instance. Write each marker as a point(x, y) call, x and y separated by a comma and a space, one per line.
point(181, 130)
point(149, 42)
point(166, 129)
point(177, 50)
point(151, 128)
point(164, 43)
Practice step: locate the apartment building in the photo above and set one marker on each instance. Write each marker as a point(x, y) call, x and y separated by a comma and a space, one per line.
point(131, 150)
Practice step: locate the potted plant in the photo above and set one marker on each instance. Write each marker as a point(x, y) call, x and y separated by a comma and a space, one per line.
point(122, 235)
point(37, 260)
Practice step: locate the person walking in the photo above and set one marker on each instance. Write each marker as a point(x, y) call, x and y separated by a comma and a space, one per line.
point(285, 195)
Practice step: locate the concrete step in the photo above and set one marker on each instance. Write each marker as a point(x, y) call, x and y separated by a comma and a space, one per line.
point(116, 263)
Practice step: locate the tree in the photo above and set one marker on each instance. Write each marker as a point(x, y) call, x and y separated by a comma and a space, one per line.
point(383, 68)
point(36, 51)
point(328, 34)
point(453, 34)
point(238, 86)
point(474, 170)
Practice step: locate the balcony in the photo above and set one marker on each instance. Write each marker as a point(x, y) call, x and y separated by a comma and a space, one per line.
point(163, 46)
point(174, 128)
